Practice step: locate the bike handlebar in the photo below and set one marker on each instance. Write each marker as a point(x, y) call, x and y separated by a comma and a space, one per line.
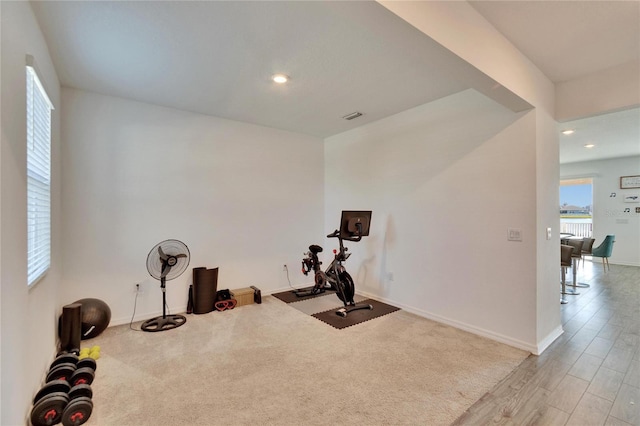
point(334, 234)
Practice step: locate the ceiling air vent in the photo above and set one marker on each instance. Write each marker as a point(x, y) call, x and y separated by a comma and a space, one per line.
point(352, 115)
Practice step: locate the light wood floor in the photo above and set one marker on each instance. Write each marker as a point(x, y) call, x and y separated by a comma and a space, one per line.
point(591, 374)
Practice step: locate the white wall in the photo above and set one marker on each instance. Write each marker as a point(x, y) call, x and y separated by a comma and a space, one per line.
point(461, 29)
point(29, 316)
point(444, 181)
point(609, 215)
point(244, 198)
point(1, 144)
point(549, 325)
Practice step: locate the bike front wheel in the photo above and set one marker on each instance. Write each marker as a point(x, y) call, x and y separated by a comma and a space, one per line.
point(345, 282)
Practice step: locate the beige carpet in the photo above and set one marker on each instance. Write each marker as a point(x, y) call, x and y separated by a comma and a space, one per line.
point(271, 364)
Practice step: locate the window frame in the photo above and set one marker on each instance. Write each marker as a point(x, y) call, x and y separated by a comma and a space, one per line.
point(38, 174)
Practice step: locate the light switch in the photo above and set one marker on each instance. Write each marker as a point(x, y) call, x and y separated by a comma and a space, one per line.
point(548, 233)
point(514, 234)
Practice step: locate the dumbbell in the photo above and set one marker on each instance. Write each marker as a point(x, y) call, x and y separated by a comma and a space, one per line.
point(48, 409)
point(64, 358)
point(62, 367)
point(49, 403)
point(66, 397)
point(86, 365)
point(80, 373)
point(77, 411)
point(80, 405)
point(56, 402)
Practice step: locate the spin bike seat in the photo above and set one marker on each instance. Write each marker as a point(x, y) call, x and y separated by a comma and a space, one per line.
point(315, 249)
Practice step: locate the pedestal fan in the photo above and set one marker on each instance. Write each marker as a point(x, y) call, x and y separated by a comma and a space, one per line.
point(166, 261)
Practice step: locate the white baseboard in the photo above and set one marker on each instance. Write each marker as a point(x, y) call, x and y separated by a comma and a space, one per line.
point(281, 289)
point(180, 309)
point(598, 261)
point(625, 263)
point(145, 316)
point(457, 324)
point(534, 349)
point(551, 337)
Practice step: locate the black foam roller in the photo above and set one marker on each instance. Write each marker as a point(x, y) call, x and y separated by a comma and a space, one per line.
point(205, 287)
point(71, 327)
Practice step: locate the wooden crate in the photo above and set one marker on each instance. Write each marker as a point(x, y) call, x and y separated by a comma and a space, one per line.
point(244, 296)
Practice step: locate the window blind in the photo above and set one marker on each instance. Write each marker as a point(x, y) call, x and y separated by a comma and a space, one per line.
point(38, 178)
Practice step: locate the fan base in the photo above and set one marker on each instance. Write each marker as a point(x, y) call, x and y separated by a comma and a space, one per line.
point(163, 323)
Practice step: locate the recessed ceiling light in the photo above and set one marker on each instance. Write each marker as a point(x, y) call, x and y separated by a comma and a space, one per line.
point(589, 145)
point(280, 78)
point(568, 132)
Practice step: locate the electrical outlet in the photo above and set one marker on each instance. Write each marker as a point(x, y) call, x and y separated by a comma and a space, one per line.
point(284, 267)
point(137, 288)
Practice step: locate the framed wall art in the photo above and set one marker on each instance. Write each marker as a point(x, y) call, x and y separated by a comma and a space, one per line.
point(627, 182)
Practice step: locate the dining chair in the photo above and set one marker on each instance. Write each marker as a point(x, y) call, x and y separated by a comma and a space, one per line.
point(565, 262)
point(587, 247)
point(604, 251)
point(576, 255)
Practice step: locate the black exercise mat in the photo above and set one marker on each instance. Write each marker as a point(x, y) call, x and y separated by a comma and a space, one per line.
point(355, 317)
point(289, 296)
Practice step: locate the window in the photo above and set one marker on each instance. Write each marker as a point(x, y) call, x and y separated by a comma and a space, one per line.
point(576, 207)
point(38, 177)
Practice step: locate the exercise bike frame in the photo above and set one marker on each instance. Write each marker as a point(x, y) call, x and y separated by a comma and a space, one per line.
point(334, 277)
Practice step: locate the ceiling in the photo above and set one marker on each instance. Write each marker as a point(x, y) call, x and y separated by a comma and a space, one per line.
point(568, 39)
point(217, 58)
point(613, 135)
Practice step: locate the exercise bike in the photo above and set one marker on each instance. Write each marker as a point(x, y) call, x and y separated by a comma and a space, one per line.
point(354, 225)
